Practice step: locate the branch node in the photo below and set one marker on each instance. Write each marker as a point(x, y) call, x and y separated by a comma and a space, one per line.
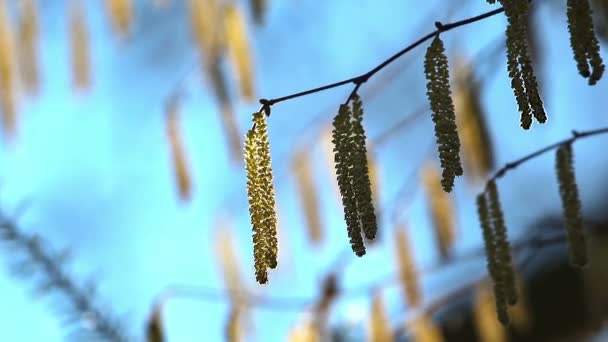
point(440, 27)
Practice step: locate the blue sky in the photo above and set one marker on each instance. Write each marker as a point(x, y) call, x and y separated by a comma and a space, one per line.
point(96, 172)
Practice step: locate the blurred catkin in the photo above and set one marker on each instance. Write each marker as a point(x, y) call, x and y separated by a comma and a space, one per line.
point(441, 210)
point(8, 96)
point(79, 47)
point(302, 170)
point(408, 274)
point(238, 49)
point(180, 165)
point(28, 45)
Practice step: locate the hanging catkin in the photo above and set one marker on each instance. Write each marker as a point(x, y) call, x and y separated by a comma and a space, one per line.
point(178, 155)
point(519, 63)
point(301, 168)
point(154, 325)
point(28, 45)
point(352, 172)
point(204, 16)
point(79, 47)
point(261, 198)
point(408, 274)
point(238, 49)
point(568, 191)
point(503, 250)
point(493, 261)
point(234, 329)
point(423, 329)
point(121, 16)
point(440, 98)
point(379, 326)
point(7, 75)
point(441, 210)
point(584, 43)
point(488, 329)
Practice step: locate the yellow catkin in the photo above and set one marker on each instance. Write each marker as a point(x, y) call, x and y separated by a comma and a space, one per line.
point(228, 261)
point(238, 49)
point(408, 275)
point(204, 16)
point(7, 76)
point(424, 330)
point(178, 155)
point(304, 331)
point(484, 311)
point(441, 208)
point(302, 170)
point(79, 47)
point(154, 326)
point(477, 149)
point(379, 328)
point(234, 329)
point(121, 16)
point(28, 45)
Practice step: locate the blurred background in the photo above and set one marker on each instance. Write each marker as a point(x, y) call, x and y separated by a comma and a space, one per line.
point(123, 192)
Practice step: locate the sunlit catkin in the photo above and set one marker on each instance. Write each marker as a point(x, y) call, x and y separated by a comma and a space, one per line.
point(121, 16)
point(79, 47)
point(7, 76)
point(28, 45)
point(423, 329)
point(488, 328)
point(204, 19)
point(178, 155)
point(441, 210)
point(503, 249)
point(571, 203)
point(234, 329)
point(444, 118)
point(584, 43)
point(477, 148)
point(519, 63)
point(302, 171)
point(262, 206)
point(228, 261)
point(408, 275)
point(379, 329)
point(238, 49)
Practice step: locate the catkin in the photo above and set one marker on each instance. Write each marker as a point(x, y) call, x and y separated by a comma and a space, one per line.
point(238, 49)
point(424, 330)
point(204, 16)
point(121, 16)
point(341, 134)
point(379, 326)
point(7, 76)
point(233, 330)
point(79, 47)
point(584, 43)
point(441, 209)
point(408, 274)
point(178, 155)
point(258, 8)
point(503, 250)
point(154, 326)
point(262, 206)
point(348, 137)
point(444, 118)
point(488, 329)
point(568, 191)
point(28, 45)
point(493, 260)
point(301, 168)
point(519, 63)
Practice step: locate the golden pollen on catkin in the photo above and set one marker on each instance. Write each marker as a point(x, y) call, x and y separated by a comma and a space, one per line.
point(378, 325)
point(302, 170)
point(441, 210)
point(571, 203)
point(79, 47)
point(584, 43)
point(121, 16)
point(262, 206)
point(238, 49)
point(178, 155)
point(7, 75)
point(408, 274)
point(444, 118)
point(503, 249)
point(28, 45)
